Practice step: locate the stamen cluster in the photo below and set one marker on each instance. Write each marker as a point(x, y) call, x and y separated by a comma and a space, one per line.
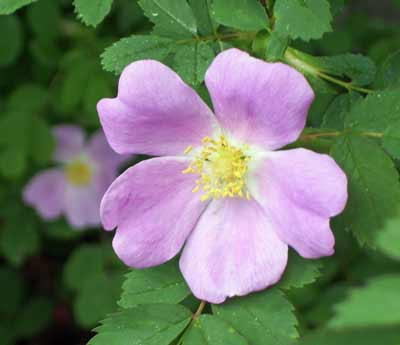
point(222, 169)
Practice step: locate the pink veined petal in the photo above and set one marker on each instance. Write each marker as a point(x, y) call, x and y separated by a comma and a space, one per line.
point(100, 151)
point(300, 190)
point(45, 192)
point(155, 112)
point(69, 142)
point(232, 251)
point(153, 206)
point(260, 103)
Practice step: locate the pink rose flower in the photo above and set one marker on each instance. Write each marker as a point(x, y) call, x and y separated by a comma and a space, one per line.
point(75, 187)
point(219, 190)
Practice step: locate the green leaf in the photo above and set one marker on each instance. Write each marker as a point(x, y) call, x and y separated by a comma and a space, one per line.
point(151, 324)
point(299, 272)
point(374, 189)
point(161, 284)
point(42, 141)
point(95, 273)
point(388, 240)
point(137, 47)
point(18, 240)
point(276, 46)
point(12, 291)
point(92, 12)
point(391, 139)
point(34, 95)
point(375, 304)
point(97, 298)
point(335, 114)
point(246, 15)
point(376, 112)
point(262, 318)
point(34, 317)
point(206, 24)
point(305, 19)
point(10, 6)
point(44, 15)
point(211, 330)
point(11, 47)
point(171, 18)
point(389, 72)
point(12, 162)
point(362, 336)
point(192, 60)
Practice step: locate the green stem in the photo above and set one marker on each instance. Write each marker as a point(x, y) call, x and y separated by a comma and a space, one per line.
point(310, 136)
point(305, 67)
point(194, 317)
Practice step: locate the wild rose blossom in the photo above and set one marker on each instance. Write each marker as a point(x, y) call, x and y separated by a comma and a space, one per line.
point(76, 186)
point(220, 190)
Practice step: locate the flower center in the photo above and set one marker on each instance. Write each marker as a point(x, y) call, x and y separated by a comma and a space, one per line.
point(78, 173)
point(222, 169)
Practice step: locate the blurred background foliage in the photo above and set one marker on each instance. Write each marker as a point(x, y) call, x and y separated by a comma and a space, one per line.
point(57, 283)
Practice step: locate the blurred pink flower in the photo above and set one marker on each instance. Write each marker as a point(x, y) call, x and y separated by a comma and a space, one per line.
point(75, 187)
point(220, 189)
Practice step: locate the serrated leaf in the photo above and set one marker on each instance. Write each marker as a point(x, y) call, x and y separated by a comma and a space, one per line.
point(261, 318)
point(161, 284)
point(299, 272)
point(137, 47)
point(375, 304)
point(389, 72)
point(151, 324)
point(305, 19)
point(171, 18)
point(192, 60)
point(11, 47)
point(211, 330)
point(335, 115)
point(10, 6)
point(246, 15)
point(374, 189)
point(391, 139)
point(206, 24)
point(92, 12)
point(376, 112)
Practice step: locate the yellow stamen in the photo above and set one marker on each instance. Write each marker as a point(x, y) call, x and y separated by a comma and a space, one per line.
point(222, 169)
point(188, 149)
point(78, 173)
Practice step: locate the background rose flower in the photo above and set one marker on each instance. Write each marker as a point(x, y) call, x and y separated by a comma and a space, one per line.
point(76, 185)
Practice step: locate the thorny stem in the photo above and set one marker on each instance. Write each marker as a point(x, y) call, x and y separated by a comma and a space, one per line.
point(194, 317)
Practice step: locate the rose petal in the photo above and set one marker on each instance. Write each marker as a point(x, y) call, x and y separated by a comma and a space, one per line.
point(232, 251)
point(100, 152)
point(69, 142)
point(45, 192)
point(155, 210)
point(263, 104)
point(82, 206)
point(155, 112)
point(300, 190)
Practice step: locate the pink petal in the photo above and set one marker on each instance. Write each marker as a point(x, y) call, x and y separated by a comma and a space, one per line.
point(300, 190)
point(69, 142)
point(100, 152)
point(264, 104)
point(232, 251)
point(155, 210)
point(82, 205)
point(45, 192)
point(155, 112)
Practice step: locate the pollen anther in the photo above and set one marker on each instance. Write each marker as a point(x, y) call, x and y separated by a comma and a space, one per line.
point(222, 169)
